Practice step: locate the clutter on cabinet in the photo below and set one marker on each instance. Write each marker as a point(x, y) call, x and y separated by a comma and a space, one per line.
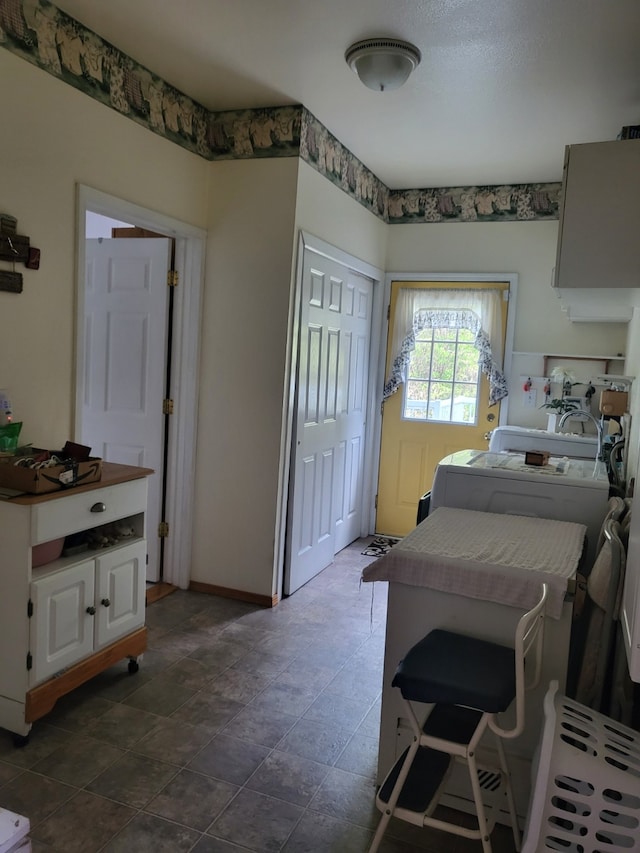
point(9, 434)
point(536, 457)
point(108, 535)
point(15, 248)
point(36, 470)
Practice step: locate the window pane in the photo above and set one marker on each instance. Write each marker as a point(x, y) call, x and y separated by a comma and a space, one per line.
point(466, 335)
point(464, 403)
point(467, 363)
point(440, 402)
point(417, 390)
point(415, 402)
point(443, 361)
point(443, 377)
point(420, 362)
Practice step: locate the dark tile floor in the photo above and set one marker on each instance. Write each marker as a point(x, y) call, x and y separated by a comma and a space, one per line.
point(246, 729)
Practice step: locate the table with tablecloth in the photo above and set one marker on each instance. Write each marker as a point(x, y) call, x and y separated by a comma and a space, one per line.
point(477, 573)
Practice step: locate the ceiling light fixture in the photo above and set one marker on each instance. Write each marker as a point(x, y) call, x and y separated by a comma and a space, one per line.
point(382, 64)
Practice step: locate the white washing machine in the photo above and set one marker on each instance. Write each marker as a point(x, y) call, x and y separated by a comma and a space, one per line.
point(565, 489)
point(518, 439)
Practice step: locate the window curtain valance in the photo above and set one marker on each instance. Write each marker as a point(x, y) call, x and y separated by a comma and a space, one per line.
point(479, 311)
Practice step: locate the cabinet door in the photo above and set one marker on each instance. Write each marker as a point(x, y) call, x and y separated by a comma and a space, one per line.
point(62, 625)
point(120, 592)
point(598, 242)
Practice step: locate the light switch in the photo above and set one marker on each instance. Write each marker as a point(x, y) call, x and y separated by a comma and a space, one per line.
point(529, 401)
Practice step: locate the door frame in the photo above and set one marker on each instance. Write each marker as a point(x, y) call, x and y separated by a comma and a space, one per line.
point(309, 243)
point(189, 263)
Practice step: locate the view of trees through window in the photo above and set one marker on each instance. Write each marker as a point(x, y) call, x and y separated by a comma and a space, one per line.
point(443, 377)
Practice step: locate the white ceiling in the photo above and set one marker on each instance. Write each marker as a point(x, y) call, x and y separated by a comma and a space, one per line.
point(502, 87)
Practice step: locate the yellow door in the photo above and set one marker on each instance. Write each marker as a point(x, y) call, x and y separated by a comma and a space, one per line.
point(416, 437)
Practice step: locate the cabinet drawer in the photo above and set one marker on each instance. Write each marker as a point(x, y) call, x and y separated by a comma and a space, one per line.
point(71, 513)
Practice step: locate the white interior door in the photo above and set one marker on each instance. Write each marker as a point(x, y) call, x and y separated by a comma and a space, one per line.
point(327, 469)
point(125, 361)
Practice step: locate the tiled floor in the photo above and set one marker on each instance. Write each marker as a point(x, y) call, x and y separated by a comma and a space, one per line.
point(246, 729)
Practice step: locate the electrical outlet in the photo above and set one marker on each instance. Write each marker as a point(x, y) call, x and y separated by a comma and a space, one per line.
point(530, 399)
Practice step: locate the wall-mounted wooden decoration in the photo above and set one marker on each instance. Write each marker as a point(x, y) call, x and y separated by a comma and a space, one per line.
point(11, 281)
point(15, 247)
point(8, 223)
point(33, 261)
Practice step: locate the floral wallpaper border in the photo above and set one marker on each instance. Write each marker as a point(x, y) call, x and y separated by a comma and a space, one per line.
point(39, 32)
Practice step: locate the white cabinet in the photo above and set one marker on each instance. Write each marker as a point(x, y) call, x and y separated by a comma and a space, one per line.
point(598, 256)
point(61, 631)
point(71, 618)
point(598, 245)
point(83, 608)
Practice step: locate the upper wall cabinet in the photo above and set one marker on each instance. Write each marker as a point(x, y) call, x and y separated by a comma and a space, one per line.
point(599, 231)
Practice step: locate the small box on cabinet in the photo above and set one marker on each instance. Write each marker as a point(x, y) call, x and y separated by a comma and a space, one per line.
point(40, 480)
point(613, 402)
point(536, 457)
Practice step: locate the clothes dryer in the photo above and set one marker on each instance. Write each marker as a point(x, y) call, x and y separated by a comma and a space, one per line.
point(565, 489)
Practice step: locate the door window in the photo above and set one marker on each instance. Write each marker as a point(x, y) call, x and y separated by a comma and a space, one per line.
point(443, 377)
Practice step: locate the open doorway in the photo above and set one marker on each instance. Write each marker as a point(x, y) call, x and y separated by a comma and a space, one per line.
point(128, 309)
point(127, 334)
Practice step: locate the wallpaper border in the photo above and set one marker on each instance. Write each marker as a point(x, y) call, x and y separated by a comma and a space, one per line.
point(47, 37)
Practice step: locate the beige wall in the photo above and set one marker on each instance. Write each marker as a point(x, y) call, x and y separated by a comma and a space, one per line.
point(525, 248)
point(243, 363)
point(326, 212)
point(53, 137)
point(256, 211)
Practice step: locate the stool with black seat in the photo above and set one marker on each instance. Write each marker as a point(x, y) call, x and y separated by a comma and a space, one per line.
point(466, 683)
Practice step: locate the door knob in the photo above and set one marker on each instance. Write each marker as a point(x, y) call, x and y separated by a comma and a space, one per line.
point(491, 417)
point(105, 602)
point(91, 611)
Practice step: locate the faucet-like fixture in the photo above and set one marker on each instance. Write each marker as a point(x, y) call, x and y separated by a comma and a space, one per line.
point(598, 425)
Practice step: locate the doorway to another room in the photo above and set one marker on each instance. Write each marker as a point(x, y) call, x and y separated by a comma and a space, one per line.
point(126, 382)
point(137, 341)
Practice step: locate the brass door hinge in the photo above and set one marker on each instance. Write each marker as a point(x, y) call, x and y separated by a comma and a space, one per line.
point(29, 609)
point(163, 529)
point(167, 407)
point(173, 278)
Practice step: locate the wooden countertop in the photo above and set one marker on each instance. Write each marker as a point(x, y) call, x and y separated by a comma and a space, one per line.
point(112, 473)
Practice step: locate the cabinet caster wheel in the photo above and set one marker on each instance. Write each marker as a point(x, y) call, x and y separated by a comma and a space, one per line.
point(133, 667)
point(19, 741)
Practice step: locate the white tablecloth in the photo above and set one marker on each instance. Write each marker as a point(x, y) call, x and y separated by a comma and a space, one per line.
point(486, 555)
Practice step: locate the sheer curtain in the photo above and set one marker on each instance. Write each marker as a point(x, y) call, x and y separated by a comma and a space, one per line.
point(480, 311)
